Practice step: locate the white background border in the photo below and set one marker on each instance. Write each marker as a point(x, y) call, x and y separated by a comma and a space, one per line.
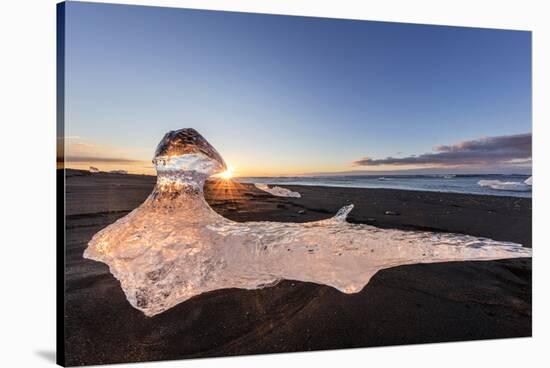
point(27, 204)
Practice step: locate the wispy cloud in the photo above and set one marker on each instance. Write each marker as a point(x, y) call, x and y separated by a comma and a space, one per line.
point(484, 151)
point(81, 154)
point(80, 150)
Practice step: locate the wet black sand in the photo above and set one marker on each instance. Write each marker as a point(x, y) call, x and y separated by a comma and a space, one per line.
point(402, 305)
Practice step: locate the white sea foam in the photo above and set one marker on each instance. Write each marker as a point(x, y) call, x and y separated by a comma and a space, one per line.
point(506, 185)
point(529, 181)
point(277, 191)
point(174, 246)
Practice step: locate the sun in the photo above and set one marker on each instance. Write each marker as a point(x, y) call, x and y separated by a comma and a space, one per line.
point(227, 174)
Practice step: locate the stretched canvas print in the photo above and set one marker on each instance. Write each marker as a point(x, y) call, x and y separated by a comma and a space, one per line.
point(237, 183)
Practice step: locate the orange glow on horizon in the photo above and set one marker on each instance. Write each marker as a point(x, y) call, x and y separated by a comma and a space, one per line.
point(236, 171)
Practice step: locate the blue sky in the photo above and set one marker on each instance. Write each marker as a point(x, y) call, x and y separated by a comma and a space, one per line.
point(286, 95)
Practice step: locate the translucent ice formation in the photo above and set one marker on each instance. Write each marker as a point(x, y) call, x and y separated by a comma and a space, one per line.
point(174, 246)
point(277, 191)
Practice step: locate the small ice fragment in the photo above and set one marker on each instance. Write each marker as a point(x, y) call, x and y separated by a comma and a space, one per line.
point(505, 185)
point(529, 181)
point(277, 191)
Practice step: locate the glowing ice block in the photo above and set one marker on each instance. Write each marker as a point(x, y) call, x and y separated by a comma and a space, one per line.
point(174, 246)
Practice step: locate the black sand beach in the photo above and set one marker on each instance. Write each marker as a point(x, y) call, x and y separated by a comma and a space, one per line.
point(403, 305)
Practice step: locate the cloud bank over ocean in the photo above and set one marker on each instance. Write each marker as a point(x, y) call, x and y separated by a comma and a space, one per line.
point(487, 151)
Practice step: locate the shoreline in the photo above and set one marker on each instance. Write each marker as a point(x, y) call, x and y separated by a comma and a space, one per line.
point(456, 185)
point(496, 193)
point(396, 189)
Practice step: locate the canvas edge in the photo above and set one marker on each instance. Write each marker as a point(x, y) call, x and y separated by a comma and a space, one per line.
point(60, 184)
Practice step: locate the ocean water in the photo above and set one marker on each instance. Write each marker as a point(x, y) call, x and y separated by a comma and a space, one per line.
point(500, 185)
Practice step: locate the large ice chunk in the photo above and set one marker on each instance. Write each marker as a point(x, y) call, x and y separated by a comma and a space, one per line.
point(513, 186)
point(174, 246)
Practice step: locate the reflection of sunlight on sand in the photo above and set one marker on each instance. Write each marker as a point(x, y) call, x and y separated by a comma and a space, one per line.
point(223, 186)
